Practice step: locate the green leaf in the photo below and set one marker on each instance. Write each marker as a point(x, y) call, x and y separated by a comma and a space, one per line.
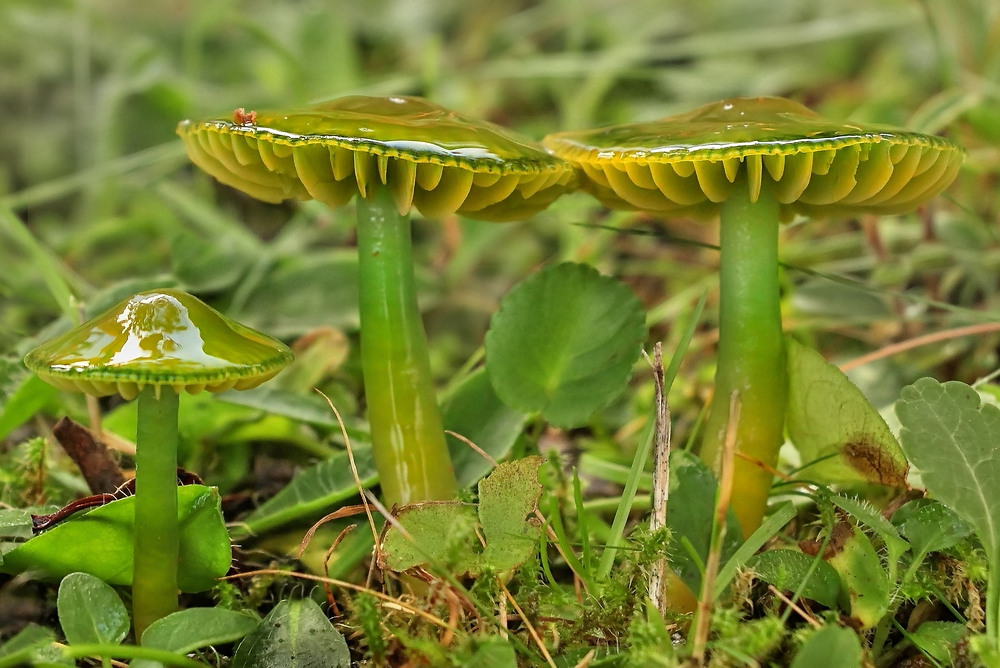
point(508, 497)
point(312, 492)
point(938, 639)
point(563, 343)
point(474, 411)
point(869, 516)
point(951, 436)
point(45, 264)
point(931, 526)
point(30, 396)
point(690, 512)
point(303, 292)
point(443, 533)
point(310, 408)
point(487, 652)
point(830, 647)
point(787, 570)
point(296, 634)
point(15, 523)
point(772, 524)
point(90, 611)
point(829, 299)
point(187, 630)
point(440, 533)
point(214, 267)
point(100, 541)
point(862, 574)
point(841, 437)
point(32, 646)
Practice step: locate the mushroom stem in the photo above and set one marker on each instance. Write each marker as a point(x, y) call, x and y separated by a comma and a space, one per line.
point(157, 531)
point(751, 358)
point(408, 442)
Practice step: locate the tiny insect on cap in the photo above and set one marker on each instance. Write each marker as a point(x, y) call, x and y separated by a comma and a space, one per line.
point(429, 157)
point(688, 164)
point(158, 338)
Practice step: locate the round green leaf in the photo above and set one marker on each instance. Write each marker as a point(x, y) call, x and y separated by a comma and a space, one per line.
point(563, 343)
point(296, 634)
point(90, 611)
point(829, 647)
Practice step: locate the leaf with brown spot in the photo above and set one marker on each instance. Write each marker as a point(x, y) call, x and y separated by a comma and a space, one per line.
point(863, 576)
point(841, 437)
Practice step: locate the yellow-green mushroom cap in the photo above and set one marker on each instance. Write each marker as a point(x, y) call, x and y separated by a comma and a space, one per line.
point(688, 164)
point(429, 157)
point(158, 338)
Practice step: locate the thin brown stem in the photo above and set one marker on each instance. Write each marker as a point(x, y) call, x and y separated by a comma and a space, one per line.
point(661, 479)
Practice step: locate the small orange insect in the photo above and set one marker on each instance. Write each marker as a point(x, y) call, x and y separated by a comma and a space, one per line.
point(243, 117)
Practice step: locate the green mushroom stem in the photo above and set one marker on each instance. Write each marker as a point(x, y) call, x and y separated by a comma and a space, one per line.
point(396, 154)
point(751, 355)
point(408, 442)
point(157, 531)
point(754, 162)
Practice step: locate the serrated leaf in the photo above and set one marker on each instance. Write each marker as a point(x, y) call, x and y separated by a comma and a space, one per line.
point(90, 611)
point(440, 533)
point(507, 499)
point(951, 436)
point(296, 634)
point(829, 647)
point(840, 436)
point(787, 571)
point(563, 343)
point(100, 542)
point(444, 533)
point(931, 526)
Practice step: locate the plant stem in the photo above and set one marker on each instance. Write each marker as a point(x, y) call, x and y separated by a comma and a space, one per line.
point(661, 481)
point(157, 532)
point(408, 442)
point(993, 599)
point(751, 358)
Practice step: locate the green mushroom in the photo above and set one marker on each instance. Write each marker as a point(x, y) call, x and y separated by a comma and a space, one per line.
point(755, 162)
point(152, 347)
point(397, 154)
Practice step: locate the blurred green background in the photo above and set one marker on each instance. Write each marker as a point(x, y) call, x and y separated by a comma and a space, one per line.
point(91, 93)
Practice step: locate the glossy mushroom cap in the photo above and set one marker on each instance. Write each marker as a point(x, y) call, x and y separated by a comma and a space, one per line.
point(159, 338)
point(688, 164)
point(429, 157)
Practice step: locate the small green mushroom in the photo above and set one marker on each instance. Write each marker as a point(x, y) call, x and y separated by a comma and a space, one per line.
point(396, 153)
point(755, 162)
point(152, 347)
